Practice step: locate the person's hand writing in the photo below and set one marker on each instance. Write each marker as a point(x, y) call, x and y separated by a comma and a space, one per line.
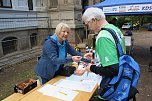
point(76, 58)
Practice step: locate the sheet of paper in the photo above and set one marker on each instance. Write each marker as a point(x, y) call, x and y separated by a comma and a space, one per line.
point(85, 76)
point(85, 85)
point(127, 40)
point(57, 92)
point(81, 67)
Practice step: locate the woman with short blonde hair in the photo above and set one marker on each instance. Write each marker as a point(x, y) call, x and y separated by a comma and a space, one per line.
point(60, 26)
point(54, 54)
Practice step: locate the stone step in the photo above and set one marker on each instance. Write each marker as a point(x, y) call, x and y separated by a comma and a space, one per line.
point(18, 57)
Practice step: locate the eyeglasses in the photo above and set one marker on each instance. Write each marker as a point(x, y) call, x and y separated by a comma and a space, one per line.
point(88, 23)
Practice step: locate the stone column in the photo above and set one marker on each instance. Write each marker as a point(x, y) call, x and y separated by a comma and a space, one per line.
point(70, 12)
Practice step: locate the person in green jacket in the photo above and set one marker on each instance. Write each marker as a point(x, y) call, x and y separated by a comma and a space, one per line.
point(105, 47)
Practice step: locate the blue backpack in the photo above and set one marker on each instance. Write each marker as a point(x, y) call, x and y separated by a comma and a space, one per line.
point(123, 86)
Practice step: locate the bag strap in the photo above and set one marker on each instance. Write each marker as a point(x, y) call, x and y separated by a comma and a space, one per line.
point(118, 45)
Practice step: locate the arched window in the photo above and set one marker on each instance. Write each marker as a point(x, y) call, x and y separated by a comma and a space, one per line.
point(9, 45)
point(33, 39)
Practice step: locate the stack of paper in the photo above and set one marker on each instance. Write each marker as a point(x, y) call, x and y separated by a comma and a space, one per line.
point(57, 92)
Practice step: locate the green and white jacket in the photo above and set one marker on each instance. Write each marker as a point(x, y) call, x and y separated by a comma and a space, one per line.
point(106, 52)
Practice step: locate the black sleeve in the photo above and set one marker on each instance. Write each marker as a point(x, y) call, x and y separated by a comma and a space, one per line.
point(108, 71)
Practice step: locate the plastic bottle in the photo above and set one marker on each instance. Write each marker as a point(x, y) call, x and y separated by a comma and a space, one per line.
point(91, 50)
point(87, 49)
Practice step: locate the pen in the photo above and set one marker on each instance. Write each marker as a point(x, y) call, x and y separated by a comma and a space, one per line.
point(62, 93)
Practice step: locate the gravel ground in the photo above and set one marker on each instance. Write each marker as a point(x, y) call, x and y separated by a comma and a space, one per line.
point(142, 42)
point(14, 74)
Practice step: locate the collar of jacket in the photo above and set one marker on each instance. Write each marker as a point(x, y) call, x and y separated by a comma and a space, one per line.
point(52, 38)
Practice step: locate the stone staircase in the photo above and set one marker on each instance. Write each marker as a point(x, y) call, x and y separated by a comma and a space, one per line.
point(20, 56)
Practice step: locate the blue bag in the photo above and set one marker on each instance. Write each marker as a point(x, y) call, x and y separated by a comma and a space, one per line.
point(123, 86)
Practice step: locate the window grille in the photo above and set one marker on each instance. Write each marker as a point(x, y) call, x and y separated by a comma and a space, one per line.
point(33, 39)
point(9, 45)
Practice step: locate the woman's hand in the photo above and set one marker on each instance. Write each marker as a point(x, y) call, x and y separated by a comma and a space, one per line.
point(76, 58)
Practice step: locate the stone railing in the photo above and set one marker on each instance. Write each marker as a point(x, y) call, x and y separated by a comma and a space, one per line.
point(9, 23)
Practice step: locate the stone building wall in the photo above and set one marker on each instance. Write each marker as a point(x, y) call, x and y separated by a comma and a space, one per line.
point(20, 22)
